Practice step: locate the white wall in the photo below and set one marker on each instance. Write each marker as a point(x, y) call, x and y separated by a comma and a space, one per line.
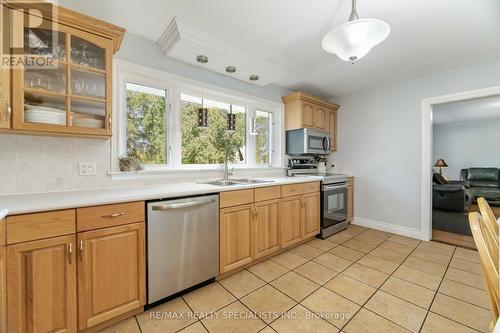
point(465, 145)
point(380, 141)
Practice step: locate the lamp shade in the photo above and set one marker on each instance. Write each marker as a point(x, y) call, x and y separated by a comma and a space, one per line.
point(440, 164)
point(353, 40)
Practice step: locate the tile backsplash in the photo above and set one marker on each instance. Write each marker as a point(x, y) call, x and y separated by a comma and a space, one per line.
point(33, 164)
point(37, 164)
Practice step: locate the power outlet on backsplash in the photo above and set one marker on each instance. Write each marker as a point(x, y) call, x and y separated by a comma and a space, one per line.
point(86, 169)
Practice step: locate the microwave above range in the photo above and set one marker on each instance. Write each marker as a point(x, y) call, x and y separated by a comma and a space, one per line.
point(308, 141)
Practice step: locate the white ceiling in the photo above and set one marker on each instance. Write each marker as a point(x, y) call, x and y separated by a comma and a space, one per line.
point(472, 110)
point(427, 36)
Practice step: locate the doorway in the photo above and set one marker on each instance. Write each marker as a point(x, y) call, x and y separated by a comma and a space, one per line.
point(430, 109)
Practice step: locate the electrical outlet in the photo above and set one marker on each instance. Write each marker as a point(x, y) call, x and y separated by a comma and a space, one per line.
point(86, 169)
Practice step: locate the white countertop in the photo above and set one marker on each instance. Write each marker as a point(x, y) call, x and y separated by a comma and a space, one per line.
point(3, 213)
point(30, 203)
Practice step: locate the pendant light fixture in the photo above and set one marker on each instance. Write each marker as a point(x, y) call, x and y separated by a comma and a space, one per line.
point(253, 121)
point(231, 117)
point(202, 112)
point(353, 40)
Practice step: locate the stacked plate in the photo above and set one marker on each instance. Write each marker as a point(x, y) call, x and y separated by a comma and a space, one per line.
point(88, 121)
point(44, 115)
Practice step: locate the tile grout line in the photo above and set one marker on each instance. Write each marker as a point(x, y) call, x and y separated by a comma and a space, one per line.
point(138, 324)
point(323, 285)
point(292, 270)
point(337, 273)
point(453, 320)
point(378, 289)
point(437, 291)
point(197, 317)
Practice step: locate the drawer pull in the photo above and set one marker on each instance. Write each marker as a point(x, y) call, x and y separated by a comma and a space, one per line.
point(115, 215)
point(81, 250)
point(70, 250)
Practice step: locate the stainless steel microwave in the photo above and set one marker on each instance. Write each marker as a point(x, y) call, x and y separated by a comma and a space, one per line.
point(308, 141)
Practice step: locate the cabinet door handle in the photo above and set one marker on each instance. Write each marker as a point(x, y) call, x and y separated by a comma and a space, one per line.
point(81, 250)
point(114, 215)
point(70, 250)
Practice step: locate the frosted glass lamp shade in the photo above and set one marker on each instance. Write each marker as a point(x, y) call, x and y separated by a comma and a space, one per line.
point(353, 40)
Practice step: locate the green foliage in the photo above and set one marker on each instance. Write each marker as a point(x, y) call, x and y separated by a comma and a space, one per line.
point(262, 139)
point(146, 132)
point(207, 146)
point(146, 122)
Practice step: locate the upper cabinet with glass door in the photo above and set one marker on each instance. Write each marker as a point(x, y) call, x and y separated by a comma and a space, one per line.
point(64, 84)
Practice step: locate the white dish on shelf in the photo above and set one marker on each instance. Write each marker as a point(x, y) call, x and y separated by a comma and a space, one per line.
point(43, 109)
point(45, 120)
point(44, 115)
point(88, 124)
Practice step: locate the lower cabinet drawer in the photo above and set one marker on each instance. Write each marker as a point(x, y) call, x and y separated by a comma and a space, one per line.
point(267, 193)
point(235, 198)
point(98, 217)
point(299, 189)
point(28, 227)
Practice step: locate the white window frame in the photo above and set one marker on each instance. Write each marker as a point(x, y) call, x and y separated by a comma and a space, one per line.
point(175, 86)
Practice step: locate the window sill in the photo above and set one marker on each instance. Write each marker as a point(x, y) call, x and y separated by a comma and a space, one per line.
point(194, 174)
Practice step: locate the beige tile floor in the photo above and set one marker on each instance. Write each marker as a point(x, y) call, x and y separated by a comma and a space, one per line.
point(359, 280)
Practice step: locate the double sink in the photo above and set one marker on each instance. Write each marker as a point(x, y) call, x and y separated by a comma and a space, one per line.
point(233, 182)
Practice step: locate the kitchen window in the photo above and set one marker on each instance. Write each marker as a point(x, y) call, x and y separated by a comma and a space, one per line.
point(263, 137)
point(147, 125)
point(156, 123)
point(206, 146)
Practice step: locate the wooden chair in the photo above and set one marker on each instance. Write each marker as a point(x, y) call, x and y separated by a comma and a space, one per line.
point(490, 270)
point(491, 229)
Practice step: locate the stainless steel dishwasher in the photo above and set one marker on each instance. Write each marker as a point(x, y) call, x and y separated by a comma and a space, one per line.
point(183, 244)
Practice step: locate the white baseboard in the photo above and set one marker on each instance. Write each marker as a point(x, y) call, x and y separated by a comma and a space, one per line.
point(383, 226)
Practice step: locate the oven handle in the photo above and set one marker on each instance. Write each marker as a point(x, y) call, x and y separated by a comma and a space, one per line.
point(333, 187)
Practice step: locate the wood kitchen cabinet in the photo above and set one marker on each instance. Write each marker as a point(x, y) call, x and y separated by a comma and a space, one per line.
point(41, 284)
point(267, 231)
point(236, 237)
point(5, 103)
point(3, 277)
point(331, 126)
point(311, 215)
point(291, 221)
point(111, 273)
point(350, 199)
point(255, 223)
point(303, 110)
point(72, 95)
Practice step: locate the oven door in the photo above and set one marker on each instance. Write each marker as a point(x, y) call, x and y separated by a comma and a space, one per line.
point(334, 204)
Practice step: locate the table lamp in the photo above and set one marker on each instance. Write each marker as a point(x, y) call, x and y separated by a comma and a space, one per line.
point(440, 164)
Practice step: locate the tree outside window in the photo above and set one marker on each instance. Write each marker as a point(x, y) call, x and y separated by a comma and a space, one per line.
point(207, 146)
point(146, 124)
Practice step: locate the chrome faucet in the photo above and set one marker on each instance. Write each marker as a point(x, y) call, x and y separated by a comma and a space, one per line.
point(226, 157)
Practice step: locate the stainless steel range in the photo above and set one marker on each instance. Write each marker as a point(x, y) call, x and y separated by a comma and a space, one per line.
point(333, 193)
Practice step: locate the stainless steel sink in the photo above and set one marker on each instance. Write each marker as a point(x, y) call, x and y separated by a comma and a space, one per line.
point(253, 181)
point(220, 182)
point(233, 182)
